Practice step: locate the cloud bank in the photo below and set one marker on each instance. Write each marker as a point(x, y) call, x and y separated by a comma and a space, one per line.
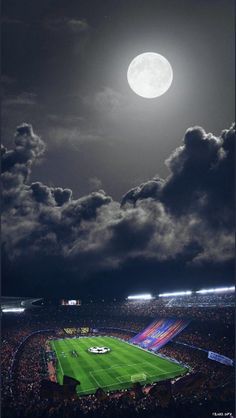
point(187, 217)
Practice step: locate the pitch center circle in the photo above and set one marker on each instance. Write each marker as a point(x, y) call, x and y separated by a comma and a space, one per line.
point(99, 350)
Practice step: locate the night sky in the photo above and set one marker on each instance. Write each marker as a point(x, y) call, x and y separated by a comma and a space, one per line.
point(105, 192)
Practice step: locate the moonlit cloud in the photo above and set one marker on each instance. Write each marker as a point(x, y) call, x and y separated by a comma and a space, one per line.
point(108, 100)
point(22, 99)
point(76, 26)
point(72, 136)
point(94, 184)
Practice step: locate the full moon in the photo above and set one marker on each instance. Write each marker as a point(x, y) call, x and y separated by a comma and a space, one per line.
point(150, 75)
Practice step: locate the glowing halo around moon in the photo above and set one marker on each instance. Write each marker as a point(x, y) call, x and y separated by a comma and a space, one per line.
point(150, 75)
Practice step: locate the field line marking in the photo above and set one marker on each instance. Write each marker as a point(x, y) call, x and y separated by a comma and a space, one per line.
point(117, 367)
point(165, 373)
point(155, 367)
point(154, 353)
point(128, 381)
point(126, 365)
point(118, 379)
point(147, 351)
point(94, 378)
point(159, 368)
point(129, 365)
point(129, 378)
point(58, 361)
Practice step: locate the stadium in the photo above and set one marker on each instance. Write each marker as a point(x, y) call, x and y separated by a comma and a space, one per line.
point(166, 355)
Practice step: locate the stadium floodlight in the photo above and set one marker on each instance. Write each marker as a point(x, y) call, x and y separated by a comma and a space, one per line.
point(146, 296)
point(15, 310)
point(216, 290)
point(167, 295)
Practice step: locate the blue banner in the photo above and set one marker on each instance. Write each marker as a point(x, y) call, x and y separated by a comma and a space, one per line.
point(221, 359)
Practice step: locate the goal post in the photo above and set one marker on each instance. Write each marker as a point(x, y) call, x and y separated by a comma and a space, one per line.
point(139, 377)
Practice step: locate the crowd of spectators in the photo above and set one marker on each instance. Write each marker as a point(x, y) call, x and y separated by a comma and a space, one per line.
point(131, 314)
point(31, 367)
point(199, 400)
point(123, 406)
point(154, 308)
point(29, 370)
point(21, 396)
point(61, 317)
point(144, 310)
point(9, 342)
point(204, 335)
point(218, 300)
point(215, 374)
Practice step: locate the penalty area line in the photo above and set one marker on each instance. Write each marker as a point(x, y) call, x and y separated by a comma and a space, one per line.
point(94, 378)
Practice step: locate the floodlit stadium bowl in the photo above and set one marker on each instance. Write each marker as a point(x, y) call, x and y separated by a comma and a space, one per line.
point(98, 350)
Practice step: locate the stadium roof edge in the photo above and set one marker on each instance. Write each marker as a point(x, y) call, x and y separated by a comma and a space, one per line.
point(11, 302)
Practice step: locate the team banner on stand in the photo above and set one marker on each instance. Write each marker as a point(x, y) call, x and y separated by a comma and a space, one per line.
point(70, 331)
point(159, 332)
point(221, 359)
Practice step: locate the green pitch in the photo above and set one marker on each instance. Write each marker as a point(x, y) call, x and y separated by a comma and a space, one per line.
point(115, 370)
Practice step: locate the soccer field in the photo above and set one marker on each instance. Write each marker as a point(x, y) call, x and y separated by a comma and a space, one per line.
point(115, 370)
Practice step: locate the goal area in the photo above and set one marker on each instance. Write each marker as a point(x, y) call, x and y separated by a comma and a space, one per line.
point(139, 377)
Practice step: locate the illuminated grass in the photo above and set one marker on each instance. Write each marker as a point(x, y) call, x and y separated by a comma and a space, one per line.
point(111, 371)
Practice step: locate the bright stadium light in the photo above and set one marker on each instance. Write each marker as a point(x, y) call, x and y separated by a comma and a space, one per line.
point(166, 295)
point(146, 296)
point(71, 302)
point(15, 310)
point(216, 290)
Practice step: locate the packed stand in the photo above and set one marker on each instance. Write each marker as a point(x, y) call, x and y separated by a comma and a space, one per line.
point(212, 378)
point(207, 337)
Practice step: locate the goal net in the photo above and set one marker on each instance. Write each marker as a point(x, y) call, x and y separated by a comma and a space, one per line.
point(139, 377)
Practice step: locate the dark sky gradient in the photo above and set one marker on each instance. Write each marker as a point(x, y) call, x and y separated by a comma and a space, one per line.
point(64, 66)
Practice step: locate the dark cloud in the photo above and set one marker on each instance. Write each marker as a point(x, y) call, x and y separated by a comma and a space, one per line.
point(28, 147)
point(54, 196)
point(16, 164)
point(49, 195)
point(187, 218)
point(199, 170)
point(151, 188)
point(62, 196)
point(201, 179)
